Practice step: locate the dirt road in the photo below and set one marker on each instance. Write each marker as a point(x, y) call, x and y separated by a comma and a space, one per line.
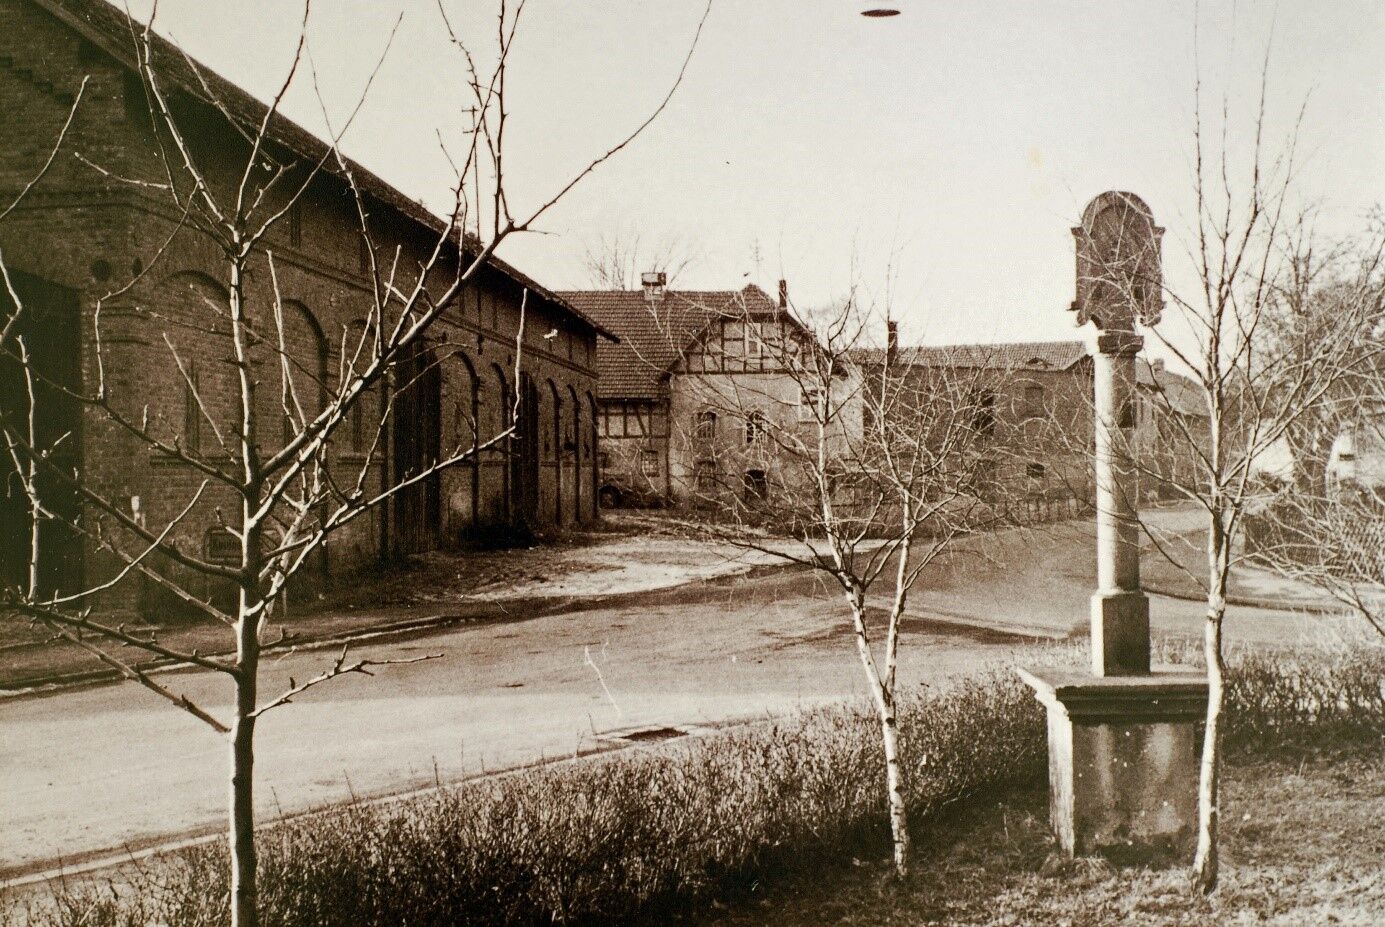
point(89, 771)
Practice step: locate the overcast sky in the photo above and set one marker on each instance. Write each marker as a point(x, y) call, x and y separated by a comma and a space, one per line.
point(957, 141)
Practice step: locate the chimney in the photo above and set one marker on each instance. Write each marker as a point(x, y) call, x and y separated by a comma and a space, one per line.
point(891, 342)
point(653, 283)
point(783, 294)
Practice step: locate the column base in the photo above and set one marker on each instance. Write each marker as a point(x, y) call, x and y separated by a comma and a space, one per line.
point(1123, 757)
point(1120, 634)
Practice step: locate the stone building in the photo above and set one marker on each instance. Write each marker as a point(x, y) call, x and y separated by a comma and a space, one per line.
point(84, 232)
point(1033, 404)
point(691, 397)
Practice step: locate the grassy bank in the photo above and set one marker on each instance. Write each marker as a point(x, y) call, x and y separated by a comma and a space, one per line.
point(1301, 844)
point(633, 836)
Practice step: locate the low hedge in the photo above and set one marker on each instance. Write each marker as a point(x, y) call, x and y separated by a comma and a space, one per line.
point(630, 834)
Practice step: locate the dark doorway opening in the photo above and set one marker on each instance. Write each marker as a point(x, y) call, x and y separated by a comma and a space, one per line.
point(756, 486)
point(417, 431)
point(49, 324)
point(524, 464)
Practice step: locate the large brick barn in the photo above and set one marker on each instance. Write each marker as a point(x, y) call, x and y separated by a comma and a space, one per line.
point(83, 232)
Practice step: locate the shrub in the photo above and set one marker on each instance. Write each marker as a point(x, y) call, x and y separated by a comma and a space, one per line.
point(1290, 701)
point(607, 839)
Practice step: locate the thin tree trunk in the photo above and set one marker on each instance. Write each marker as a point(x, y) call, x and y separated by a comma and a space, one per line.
point(244, 885)
point(244, 889)
point(894, 781)
point(883, 694)
point(1205, 861)
point(1206, 858)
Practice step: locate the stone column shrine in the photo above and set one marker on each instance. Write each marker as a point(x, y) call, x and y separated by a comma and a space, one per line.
point(1124, 740)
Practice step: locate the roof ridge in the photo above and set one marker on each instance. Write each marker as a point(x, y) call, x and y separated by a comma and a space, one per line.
point(85, 18)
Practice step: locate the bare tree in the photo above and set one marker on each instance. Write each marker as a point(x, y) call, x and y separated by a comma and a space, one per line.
point(1324, 291)
point(1254, 390)
point(807, 445)
point(1325, 525)
point(616, 261)
point(261, 442)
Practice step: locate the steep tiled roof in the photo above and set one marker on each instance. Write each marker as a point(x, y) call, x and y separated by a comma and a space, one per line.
point(109, 28)
point(1038, 355)
point(655, 330)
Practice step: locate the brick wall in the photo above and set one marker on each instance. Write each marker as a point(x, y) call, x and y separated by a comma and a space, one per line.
point(91, 234)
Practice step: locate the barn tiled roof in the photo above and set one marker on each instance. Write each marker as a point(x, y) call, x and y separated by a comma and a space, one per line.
point(112, 30)
point(1035, 355)
point(655, 330)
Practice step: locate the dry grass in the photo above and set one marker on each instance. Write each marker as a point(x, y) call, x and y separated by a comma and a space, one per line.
point(1302, 846)
point(657, 835)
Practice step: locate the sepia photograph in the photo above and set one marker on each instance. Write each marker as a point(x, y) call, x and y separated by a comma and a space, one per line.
point(723, 463)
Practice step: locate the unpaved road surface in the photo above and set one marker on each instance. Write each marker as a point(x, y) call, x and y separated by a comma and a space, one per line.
point(90, 771)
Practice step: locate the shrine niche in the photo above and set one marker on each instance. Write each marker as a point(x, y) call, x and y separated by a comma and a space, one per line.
point(1119, 261)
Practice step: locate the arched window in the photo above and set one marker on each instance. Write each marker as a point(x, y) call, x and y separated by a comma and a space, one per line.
point(303, 359)
point(461, 383)
point(705, 425)
point(197, 303)
point(357, 347)
point(495, 409)
point(570, 424)
point(552, 417)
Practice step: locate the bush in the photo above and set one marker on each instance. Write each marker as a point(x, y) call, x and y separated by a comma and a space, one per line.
point(1288, 702)
point(608, 839)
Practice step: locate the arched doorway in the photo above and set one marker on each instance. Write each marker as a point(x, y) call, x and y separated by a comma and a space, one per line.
point(573, 442)
point(556, 438)
point(417, 436)
point(524, 462)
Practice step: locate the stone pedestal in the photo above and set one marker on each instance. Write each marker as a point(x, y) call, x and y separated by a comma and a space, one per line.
point(1120, 633)
point(1123, 761)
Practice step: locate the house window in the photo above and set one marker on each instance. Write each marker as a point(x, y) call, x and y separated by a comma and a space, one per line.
point(296, 223)
point(649, 462)
point(754, 339)
point(1035, 471)
point(756, 427)
point(809, 402)
point(1033, 401)
point(705, 427)
point(983, 415)
point(705, 475)
point(756, 485)
point(603, 460)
